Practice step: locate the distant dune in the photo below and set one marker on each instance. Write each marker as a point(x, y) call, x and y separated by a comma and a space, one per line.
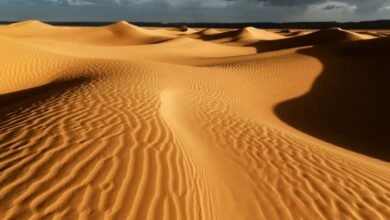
point(326, 36)
point(128, 122)
point(208, 32)
point(242, 36)
point(120, 33)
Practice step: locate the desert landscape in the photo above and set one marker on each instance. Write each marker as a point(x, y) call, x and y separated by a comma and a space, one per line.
point(128, 122)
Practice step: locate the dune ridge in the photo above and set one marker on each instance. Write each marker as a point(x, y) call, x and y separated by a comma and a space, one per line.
point(28, 23)
point(125, 122)
point(251, 32)
point(325, 36)
point(242, 36)
point(209, 31)
point(119, 33)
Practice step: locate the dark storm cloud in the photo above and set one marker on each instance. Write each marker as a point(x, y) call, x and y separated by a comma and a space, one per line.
point(195, 10)
point(332, 7)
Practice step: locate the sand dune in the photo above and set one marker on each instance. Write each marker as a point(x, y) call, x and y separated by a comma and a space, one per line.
point(30, 23)
point(134, 34)
point(326, 36)
point(368, 48)
point(124, 122)
point(241, 36)
point(184, 29)
point(342, 105)
point(208, 32)
point(251, 32)
point(120, 33)
point(291, 33)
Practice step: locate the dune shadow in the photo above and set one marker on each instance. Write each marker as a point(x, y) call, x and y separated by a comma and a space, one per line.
point(349, 103)
point(228, 34)
point(24, 98)
point(321, 37)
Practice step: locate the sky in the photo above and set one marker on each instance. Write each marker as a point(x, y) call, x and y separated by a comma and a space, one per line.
point(195, 10)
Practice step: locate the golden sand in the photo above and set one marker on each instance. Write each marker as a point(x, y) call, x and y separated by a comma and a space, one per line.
point(124, 122)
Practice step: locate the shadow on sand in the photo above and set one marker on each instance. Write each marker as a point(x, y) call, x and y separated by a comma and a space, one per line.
point(349, 103)
point(321, 37)
point(24, 98)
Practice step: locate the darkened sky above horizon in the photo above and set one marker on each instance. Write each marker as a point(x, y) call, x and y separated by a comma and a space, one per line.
point(195, 10)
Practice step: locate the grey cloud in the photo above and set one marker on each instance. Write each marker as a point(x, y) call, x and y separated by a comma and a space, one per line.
point(190, 10)
point(332, 7)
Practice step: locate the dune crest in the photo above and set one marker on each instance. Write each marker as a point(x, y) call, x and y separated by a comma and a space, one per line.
point(251, 32)
point(209, 31)
point(127, 122)
point(335, 35)
point(185, 29)
point(321, 37)
point(123, 26)
point(119, 33)
point(135, 34)
point(30, 23)
point(243, 36)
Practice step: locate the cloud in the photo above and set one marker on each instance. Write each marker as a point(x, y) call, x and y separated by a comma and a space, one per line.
point(384, 8)
point(334, 5)
point(75, 2)
point(195, 10)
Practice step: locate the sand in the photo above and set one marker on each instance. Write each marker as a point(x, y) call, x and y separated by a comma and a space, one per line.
point(125, 122)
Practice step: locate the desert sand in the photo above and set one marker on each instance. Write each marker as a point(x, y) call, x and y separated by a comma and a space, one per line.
point(126, 122)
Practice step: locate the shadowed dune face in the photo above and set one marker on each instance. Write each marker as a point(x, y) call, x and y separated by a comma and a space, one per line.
point(376, 48)
point(208, 32)
point(11, 98)
point(248, 34)
point(10, 102)
point(349, 103)
point(124, 122)
point(326, 36)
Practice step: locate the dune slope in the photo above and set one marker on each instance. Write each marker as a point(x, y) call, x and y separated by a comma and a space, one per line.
point(241, 36)
point(119, 33)
point(326, 36)
point(347, 105)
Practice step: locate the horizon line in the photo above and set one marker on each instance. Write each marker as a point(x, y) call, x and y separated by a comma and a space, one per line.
point(191, 22)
